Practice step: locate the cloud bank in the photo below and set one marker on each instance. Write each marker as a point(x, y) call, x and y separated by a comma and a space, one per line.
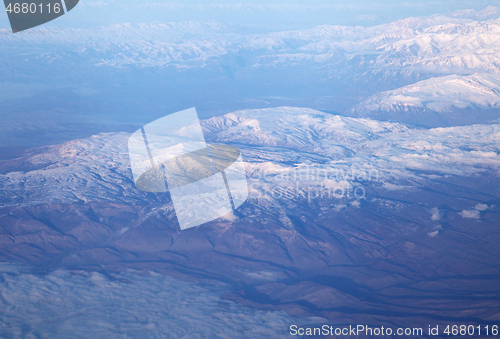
point(67, 304)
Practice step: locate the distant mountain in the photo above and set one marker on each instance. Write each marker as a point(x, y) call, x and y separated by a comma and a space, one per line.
point(490, 12)
point(424, 44)
point(447, 100)
point(333, 68)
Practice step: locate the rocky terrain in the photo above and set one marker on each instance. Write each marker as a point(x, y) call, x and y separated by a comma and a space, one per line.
point(63, 84)
point(347, 219)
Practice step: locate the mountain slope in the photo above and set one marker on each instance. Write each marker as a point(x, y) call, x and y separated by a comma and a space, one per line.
point(448, 100)
point(333, 68)
point(332, 242)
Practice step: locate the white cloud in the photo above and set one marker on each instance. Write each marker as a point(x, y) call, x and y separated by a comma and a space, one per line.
point(481, 207)
point(433, 234)
point(470, 214)
point(126, 305)
point(435, 215)
point(229, 217)
point(263, 275)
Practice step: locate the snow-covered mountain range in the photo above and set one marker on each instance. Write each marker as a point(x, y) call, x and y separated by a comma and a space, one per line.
point(428, 66)
point(438, 44)
point(419, 200)
point(274, 141)
point(445, 100)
